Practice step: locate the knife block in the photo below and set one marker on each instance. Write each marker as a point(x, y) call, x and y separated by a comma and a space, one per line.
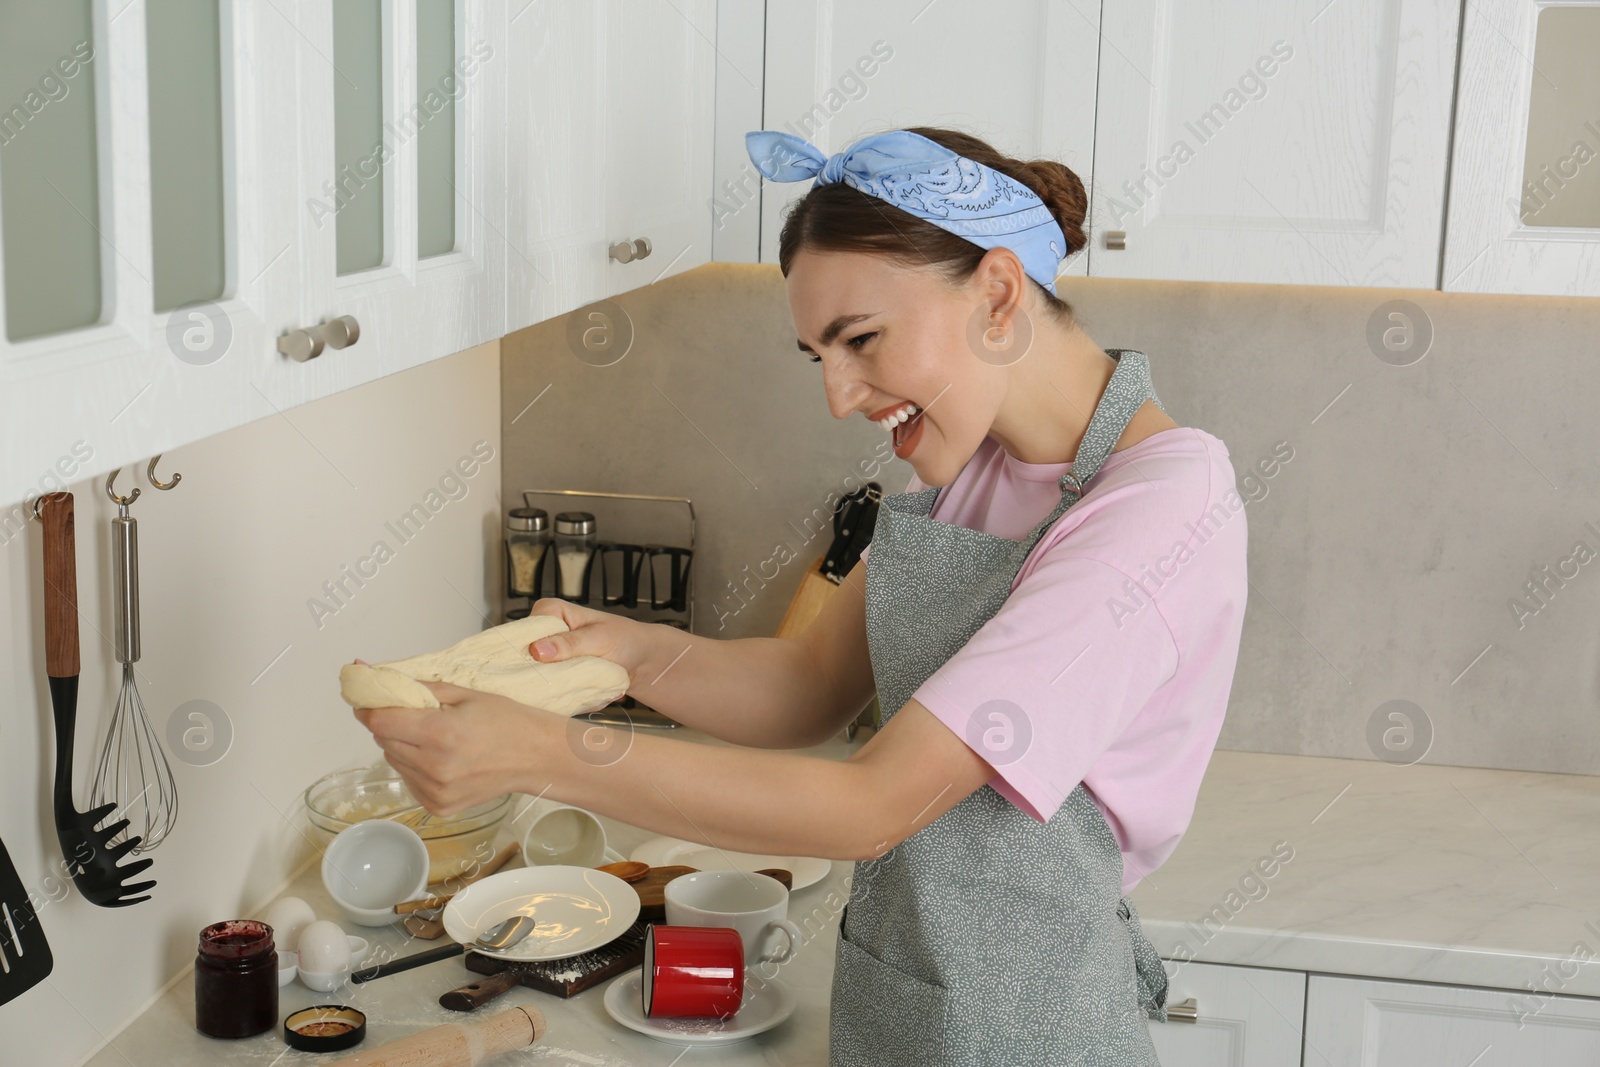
point(804, 607)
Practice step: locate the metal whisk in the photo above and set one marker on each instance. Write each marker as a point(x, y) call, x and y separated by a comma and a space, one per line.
point(133, 771)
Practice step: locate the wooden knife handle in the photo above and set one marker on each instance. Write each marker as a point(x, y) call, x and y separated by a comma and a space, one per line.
point(477, 994)
point(456, 1044)
point(60, 586)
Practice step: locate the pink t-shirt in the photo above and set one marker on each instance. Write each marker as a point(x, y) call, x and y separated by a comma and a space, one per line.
point(1118, 642)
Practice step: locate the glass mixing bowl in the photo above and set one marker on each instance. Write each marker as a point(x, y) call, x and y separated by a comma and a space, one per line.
point(457, 844)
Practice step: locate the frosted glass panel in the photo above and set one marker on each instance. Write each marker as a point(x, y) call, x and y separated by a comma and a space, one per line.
point(438, 86)
point(1561, 171)
point(183, 46)
point(49, 185)
point(358, 132)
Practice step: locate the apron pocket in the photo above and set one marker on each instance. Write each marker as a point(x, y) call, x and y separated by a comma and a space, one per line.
point(880, 1016)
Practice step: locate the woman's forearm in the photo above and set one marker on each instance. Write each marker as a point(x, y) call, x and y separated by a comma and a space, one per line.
point(763, 692)
point(731, 798)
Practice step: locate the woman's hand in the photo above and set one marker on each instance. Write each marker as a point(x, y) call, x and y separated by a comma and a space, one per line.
point(477, 746)
point(623, 641)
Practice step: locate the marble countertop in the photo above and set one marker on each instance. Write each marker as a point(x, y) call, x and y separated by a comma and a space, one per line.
point(1455, 875)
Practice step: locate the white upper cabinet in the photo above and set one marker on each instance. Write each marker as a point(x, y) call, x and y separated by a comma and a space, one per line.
point(1525, 181)
point(1248, 142)
point(609, 138)
point(194, 192)
point(1021, 76)
point(147, 237)
point(401, 173)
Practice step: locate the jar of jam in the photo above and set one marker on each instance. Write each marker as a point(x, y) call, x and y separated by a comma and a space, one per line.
point(236, 979)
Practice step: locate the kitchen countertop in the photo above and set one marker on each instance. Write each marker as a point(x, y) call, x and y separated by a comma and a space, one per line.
point(580, 1031)
point(1456, 875)
point(1462, 876)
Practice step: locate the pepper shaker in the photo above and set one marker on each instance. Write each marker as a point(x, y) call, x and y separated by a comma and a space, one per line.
point(527, 539)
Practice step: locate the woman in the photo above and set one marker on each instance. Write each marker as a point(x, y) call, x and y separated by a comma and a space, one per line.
point(1052, 634)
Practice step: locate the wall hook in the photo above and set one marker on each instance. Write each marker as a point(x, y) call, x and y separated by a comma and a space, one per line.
point(111, 492)
point(150, 472)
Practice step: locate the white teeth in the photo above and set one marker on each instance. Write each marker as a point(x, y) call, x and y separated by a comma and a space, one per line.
point(889, 422)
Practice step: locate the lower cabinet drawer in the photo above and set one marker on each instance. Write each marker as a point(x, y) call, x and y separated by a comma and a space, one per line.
point(1360, 1022)
point(1244, 1017)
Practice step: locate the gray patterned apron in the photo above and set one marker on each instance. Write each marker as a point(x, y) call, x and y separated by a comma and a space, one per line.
point(988, 937)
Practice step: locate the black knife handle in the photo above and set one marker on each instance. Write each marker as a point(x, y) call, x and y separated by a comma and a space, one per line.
point(405, 963)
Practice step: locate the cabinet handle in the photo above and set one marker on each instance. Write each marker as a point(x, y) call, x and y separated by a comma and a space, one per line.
point(341, 332)
point(628, 251)
point(300, 345)
point(1116, 240)
point(1187, 1011)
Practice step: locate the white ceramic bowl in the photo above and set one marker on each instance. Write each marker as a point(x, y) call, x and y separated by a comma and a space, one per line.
point(325, 983)
point(372, 866)
point(288, 967)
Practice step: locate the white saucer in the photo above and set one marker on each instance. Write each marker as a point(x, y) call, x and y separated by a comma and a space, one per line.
point(576, 909)
point(767, 1002)
point(673, 851)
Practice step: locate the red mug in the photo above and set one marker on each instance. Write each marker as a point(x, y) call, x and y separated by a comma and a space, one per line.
point(692, 972)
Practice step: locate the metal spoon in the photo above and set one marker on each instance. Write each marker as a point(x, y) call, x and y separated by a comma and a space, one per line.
point(507, 934)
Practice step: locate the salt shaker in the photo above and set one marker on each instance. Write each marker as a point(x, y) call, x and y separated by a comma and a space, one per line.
point(575, 543)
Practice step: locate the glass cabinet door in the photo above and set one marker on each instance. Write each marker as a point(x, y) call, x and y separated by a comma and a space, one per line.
point(402, 230)
point(1525, 174)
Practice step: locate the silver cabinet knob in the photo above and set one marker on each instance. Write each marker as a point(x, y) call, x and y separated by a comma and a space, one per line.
point(628, 251)
point(1186, 1011)
point(300, 345)
point(341, 332)
point(1116, 240)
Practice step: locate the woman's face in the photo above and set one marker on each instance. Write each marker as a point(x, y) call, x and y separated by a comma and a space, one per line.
point(890, 336)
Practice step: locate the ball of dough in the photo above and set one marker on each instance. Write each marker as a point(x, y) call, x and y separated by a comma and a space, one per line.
point(495, 660)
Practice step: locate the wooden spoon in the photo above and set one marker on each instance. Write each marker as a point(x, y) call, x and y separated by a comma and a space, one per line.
point(627, 870)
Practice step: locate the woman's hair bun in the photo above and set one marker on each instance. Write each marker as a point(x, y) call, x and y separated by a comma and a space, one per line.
point(1063, 193)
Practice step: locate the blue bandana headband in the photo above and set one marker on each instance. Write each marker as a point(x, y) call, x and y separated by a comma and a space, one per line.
point(926, 179)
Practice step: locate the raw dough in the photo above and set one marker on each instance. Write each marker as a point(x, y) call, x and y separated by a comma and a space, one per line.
point(496, 661)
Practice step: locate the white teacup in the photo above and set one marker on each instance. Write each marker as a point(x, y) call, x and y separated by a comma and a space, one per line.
point(555, 833)
point(756, 905)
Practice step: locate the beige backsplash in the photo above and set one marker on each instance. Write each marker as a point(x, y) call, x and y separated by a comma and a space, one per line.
point(1406, 508)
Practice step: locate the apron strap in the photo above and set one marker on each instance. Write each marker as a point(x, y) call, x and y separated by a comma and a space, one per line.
point(1124, 395)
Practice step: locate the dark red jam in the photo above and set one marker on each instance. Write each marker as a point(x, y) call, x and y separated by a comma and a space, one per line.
point(236, 979)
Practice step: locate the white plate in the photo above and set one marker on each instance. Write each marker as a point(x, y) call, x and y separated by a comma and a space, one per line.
point(763, 1008)
point(673, 851)
point(576, 909)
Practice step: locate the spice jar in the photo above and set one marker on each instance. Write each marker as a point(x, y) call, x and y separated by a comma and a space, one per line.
point(575, 543)
point(236, 979)
point(527, 537)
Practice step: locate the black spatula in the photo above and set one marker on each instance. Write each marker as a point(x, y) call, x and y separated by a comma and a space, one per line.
point(24, 953)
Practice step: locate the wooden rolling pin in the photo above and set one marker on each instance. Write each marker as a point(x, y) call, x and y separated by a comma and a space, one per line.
point(456, 1044)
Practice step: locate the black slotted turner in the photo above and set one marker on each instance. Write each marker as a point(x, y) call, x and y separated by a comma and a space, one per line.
point(90, 860)
point(25, 958)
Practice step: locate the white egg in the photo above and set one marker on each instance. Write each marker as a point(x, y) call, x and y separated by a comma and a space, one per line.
point(324, 948)
point(288, 918)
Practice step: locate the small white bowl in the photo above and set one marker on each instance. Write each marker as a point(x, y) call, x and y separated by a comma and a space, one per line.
point(288, 967)
point(325, 983)
point(372, 866)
